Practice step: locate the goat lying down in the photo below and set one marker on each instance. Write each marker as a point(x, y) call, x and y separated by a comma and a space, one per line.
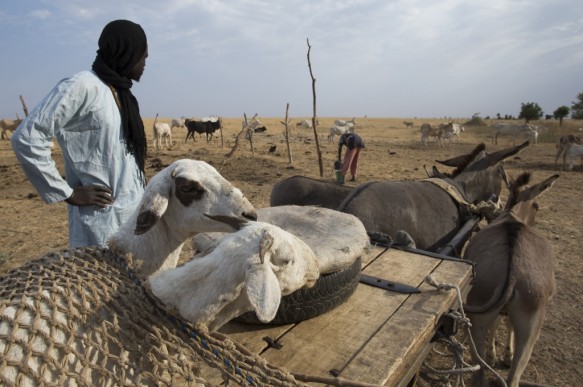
point(249, 270)
point(514, 275)
point(336, 238)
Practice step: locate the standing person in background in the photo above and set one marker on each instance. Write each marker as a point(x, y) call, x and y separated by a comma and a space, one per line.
point(96, 120)
point(354, 144)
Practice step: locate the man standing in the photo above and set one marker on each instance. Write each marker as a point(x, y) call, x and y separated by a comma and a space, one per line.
point(354, 144)
point(95, 118)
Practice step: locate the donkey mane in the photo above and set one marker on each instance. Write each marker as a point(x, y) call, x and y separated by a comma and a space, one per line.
point(469, 159)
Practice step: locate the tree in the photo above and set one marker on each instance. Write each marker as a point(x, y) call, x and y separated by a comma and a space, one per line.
point(577, 108)
point(560, 113)
point(530, 111)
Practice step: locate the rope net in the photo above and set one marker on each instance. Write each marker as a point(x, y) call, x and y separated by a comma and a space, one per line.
point(81, 317)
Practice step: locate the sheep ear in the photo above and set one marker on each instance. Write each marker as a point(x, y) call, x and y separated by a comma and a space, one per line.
point(263, 291)
point(154, 203)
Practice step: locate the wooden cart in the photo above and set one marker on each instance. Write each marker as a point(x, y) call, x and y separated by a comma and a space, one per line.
point(377, 336)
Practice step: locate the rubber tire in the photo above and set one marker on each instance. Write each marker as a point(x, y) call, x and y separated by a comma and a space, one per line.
point(329, 291)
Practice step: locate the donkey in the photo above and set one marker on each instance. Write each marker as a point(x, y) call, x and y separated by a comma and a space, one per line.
point(514, 274)
point(426, 209)
point(305, 191)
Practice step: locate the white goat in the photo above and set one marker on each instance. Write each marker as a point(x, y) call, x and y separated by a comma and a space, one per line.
point(336, 238)
point(162, 132)
point(514, 130)
point(564, 144)
point(573, 151)
point(514, 275)
point(339, 130)
point(185, 198)
point(249, 270)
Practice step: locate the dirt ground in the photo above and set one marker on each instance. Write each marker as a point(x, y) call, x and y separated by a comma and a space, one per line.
point(30, 228)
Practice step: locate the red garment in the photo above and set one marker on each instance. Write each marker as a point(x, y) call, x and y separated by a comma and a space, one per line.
point(350, 161)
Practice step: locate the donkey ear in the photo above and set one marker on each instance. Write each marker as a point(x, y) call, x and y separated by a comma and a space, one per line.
point(154, 202)
point(544, 185)
point(263, 291)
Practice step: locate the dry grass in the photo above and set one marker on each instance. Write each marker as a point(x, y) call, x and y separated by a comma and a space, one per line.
point(32, 228)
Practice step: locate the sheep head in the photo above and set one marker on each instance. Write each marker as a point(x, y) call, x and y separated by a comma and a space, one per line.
point(285, 264)
point(205, 200)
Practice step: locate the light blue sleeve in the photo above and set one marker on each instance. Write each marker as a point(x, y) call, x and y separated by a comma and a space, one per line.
point(33, 138)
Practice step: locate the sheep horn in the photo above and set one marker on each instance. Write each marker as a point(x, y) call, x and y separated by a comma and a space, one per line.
point(232, 221)
point(264, 245)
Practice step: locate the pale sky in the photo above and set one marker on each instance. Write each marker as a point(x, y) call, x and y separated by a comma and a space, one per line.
point(380, 58)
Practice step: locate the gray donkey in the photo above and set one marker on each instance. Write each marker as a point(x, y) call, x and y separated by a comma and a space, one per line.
point(514, 275)
point(426, 209)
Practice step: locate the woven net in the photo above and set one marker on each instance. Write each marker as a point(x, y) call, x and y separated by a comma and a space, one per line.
point(81, 317)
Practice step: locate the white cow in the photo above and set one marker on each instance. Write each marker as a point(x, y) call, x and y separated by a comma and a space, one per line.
point(178, 123)
point(451, 130)
point(514, 130)
point(345, 123)
point(306, 124)
point(339, 130)
point(573, 151)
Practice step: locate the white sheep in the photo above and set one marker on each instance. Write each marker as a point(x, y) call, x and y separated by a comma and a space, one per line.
point(185, 198)
point(162, 132)
point(249, 270)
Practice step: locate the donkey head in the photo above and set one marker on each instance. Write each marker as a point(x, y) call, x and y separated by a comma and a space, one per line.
point(522, 199)
point(479, 175)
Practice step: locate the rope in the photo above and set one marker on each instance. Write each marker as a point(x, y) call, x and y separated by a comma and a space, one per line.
point(88, 305)
point(460, 366)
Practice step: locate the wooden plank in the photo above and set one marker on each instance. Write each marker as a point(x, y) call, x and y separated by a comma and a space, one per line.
point(370, 254)
point(416, 319)
point(251, 335)
point(330, 341)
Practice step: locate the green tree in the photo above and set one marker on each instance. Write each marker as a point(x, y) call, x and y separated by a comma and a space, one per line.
point(560, 113)
point(530, 111)
point(577, 108)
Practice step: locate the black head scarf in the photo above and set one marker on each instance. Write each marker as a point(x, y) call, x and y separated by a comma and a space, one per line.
point(121, 46)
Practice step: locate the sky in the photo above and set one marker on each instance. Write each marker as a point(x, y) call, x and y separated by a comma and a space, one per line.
point(374, 58)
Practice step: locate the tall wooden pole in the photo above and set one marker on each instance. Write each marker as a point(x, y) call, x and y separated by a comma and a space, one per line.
point(314, 112)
